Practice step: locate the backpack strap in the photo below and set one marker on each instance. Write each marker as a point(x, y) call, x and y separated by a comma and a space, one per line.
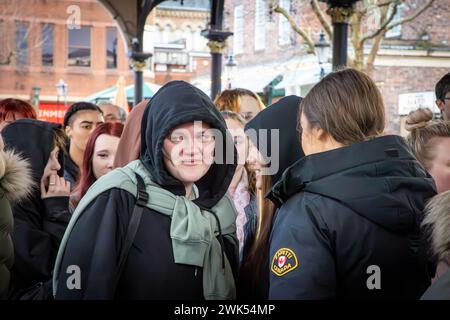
point(133, 225)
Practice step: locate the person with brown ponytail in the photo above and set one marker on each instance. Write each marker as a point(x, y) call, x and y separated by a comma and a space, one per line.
point(348, 226)
point(274, 146)
point(430, 141)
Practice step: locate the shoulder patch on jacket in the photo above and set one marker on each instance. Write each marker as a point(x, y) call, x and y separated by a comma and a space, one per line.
point(284, 261)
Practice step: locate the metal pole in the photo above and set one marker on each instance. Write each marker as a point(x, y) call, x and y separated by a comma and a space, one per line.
point(138, 70)
point(216, 74)
point(138, 82)
point(340, 34)
point(340, 17)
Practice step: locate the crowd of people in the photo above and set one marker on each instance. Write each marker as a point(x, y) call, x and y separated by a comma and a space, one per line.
point(186, 198)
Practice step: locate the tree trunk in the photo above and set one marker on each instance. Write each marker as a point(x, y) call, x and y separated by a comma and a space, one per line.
point(358, 48)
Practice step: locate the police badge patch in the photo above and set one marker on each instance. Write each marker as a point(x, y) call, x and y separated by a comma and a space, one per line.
point(284, 261)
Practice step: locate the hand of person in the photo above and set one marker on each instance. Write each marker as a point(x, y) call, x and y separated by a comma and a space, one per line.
point(57, 187)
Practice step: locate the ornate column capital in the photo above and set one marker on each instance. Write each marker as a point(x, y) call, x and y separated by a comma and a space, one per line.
point(138, 65)
point(340, 14)
point(217, 46)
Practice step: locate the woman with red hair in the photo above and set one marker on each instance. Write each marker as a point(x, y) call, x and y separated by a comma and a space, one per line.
point(15, 109)
point(98, 158)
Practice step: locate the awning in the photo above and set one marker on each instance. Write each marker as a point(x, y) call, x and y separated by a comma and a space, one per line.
point(148, 91)
point(302, 76)
point(255, 82)
point(296, 71)
point(252, 78)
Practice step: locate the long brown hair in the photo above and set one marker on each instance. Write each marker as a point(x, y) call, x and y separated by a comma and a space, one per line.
point(347, 104)
point(259, 246)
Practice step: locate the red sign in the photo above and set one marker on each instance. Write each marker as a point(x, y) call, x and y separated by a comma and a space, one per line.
point(51, 112)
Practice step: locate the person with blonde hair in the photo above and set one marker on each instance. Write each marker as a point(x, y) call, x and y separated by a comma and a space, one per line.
point(437, 222)
point(15, 185)
point(430, 141)
point(242, 186)
point(348, 226)
point(242, 101)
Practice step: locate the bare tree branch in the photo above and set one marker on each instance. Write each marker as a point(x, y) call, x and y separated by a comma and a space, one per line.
point(383, 25)
point(373, 52)
point(412, 16)
point(296, 28)
point(386, 3)
point(369, 8)
point(321, 16)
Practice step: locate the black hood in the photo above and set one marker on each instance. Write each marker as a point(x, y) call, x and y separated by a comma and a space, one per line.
point(33, 139)
point(374, 178)
point(174, 104)
point(281, 115)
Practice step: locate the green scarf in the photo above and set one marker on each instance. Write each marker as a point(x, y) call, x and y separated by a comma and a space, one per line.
point(193, 231)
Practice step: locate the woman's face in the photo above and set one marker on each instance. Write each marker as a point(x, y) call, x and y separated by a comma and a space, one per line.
point(249, 107)
point(440, 166)
point(240, 140)
point(188, 151)
point(104, 153)
point(256, 164)
point(52, 166)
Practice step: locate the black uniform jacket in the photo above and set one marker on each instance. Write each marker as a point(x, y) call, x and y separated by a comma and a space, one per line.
point(349, 224)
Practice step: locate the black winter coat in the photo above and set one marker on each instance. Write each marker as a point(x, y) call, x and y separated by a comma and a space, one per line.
point(150, 272)
point(39, 224)
point(348, 227)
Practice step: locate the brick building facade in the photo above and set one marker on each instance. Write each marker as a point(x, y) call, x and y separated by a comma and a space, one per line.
point(46, 48)
point(412, 57)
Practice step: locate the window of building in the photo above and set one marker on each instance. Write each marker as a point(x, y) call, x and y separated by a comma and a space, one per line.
point(396, 31)
point(79, 47)
point(284, 28)
point(188, 36)
point(111, 48)
point(200, 42)
point(238, 32)
point(260, 28)
point(167, 34)
point(47, 44)
point(22, 34)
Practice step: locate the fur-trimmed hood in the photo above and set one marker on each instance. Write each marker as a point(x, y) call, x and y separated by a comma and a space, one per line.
point(16, 182)
point(437, 219)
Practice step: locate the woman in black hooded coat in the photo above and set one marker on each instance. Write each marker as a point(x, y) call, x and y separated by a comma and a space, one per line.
point(162, 261)
point(40, 220)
